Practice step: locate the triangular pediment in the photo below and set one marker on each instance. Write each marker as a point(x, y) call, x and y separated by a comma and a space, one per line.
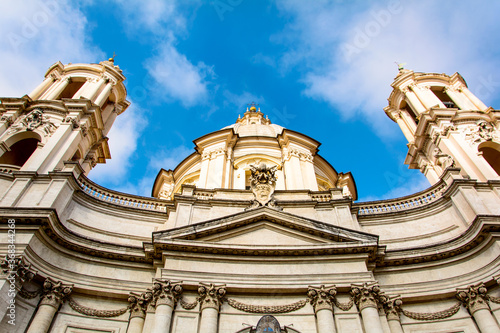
point(266, 223)
point(264, 233)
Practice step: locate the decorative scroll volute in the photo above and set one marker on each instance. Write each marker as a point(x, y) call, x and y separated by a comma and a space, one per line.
point(166, 292)
point(139, 303)
point(474, 297)
point(55, 292)
point(322, 297)
point(392, 307)
point(17, 266)
point(366, 295)
point(211, 295)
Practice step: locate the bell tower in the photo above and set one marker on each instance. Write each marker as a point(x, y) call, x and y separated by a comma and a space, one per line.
point(446, 126)
point(65, 118)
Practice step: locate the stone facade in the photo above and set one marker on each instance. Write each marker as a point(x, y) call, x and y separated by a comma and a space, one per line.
point(254, 231)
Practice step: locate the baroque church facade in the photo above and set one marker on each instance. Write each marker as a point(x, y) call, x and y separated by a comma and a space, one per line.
point(254, 231)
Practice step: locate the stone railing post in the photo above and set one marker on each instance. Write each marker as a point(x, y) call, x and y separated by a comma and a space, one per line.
point(53, 295)
point(166, 294)
point(475, 300)
point(366, 298)
point(138, 306)
point(321, 299)
point(392, 308)
point(210, 300)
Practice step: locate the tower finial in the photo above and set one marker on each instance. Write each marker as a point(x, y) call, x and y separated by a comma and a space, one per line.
point(401, 65)
point(112, 59)
point(253, 107)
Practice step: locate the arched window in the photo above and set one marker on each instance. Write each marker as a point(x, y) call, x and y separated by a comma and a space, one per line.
point(491, 153)
point(19, 152)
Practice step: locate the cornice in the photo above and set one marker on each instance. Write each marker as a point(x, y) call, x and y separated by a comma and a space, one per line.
point(476, 234)
point(50, 225)
point(339, 240)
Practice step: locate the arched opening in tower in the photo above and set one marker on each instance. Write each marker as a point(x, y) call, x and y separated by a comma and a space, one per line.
point(71, 89)
point(492, 156)
point(19, 152)
point(440, 93)
point(404, 107)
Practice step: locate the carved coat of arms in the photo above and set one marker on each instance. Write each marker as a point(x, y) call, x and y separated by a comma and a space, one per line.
point(263, 183)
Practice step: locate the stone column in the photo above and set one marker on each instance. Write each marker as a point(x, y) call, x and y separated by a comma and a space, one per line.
point(59, 89)
point(166, 294)
point(405, 128)
point(366, 298)
point(149, 320)
point(104, 93)
point(415, 104)
point(82, 89)
point(321, 299)
point(475, 300)
point(53, 295)
point(210, 300)
point(35, 94)
point(392, 307)
point(476, 101)
point(96, 84)
point(138, 306)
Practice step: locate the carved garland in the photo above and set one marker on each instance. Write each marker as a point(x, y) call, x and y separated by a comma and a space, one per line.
point(344, 306)
point(95, 313)
point(433, 315)
point(29, 294)
point(188, 306)
point(266, 309)
point(494, 299)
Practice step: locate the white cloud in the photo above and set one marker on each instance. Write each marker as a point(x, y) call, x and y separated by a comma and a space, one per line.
point(169, 159)
point(348, 60)
point(36, 34)
point(122, 142)
point(156, 16)
point(174, 76)
point(177, 77)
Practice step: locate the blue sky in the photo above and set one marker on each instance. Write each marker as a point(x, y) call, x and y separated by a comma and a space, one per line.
point(323, 68)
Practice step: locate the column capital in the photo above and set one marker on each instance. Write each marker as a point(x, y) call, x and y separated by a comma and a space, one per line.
point(322, 297)
point(139, 303)
point(17, 266)
point(211, 295)
point(366, 295)
point(55, 292)
point(166, 292)
point(474, 297)
point(392, 306)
